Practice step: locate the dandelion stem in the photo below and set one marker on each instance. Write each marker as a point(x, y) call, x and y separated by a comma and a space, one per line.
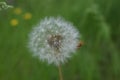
point(60, 72)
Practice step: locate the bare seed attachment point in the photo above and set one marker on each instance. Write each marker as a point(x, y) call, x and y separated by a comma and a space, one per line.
point(55, 42)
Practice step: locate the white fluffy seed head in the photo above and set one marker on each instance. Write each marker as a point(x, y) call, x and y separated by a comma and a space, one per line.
point(54, 40)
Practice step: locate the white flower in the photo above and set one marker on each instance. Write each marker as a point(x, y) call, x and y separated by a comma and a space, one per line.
point(54, 40)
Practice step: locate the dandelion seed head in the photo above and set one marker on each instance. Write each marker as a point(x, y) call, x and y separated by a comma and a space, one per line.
point(54, 40)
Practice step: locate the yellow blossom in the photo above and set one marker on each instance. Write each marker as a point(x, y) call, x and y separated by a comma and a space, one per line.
point(27, 16)
point(14, 22)
point(17, 11)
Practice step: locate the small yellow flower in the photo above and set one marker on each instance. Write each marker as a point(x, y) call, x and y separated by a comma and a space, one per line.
point(17, 11)
point(14, 22)
point(27, 16)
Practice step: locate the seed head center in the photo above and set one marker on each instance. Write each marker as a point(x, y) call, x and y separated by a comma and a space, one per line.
point(55, 41)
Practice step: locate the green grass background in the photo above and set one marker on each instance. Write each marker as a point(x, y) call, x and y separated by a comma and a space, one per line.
point(98, 22)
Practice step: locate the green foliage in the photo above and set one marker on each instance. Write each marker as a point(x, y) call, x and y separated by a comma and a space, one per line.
point(98, 22)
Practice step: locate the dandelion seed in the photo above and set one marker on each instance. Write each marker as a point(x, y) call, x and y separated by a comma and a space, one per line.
point(54, 40)
point(3, 5)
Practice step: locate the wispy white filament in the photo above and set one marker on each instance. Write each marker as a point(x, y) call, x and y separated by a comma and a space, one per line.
point(3, 5)
point(38, 40)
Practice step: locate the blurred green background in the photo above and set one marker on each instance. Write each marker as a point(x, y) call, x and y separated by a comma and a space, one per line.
point(98, 22)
